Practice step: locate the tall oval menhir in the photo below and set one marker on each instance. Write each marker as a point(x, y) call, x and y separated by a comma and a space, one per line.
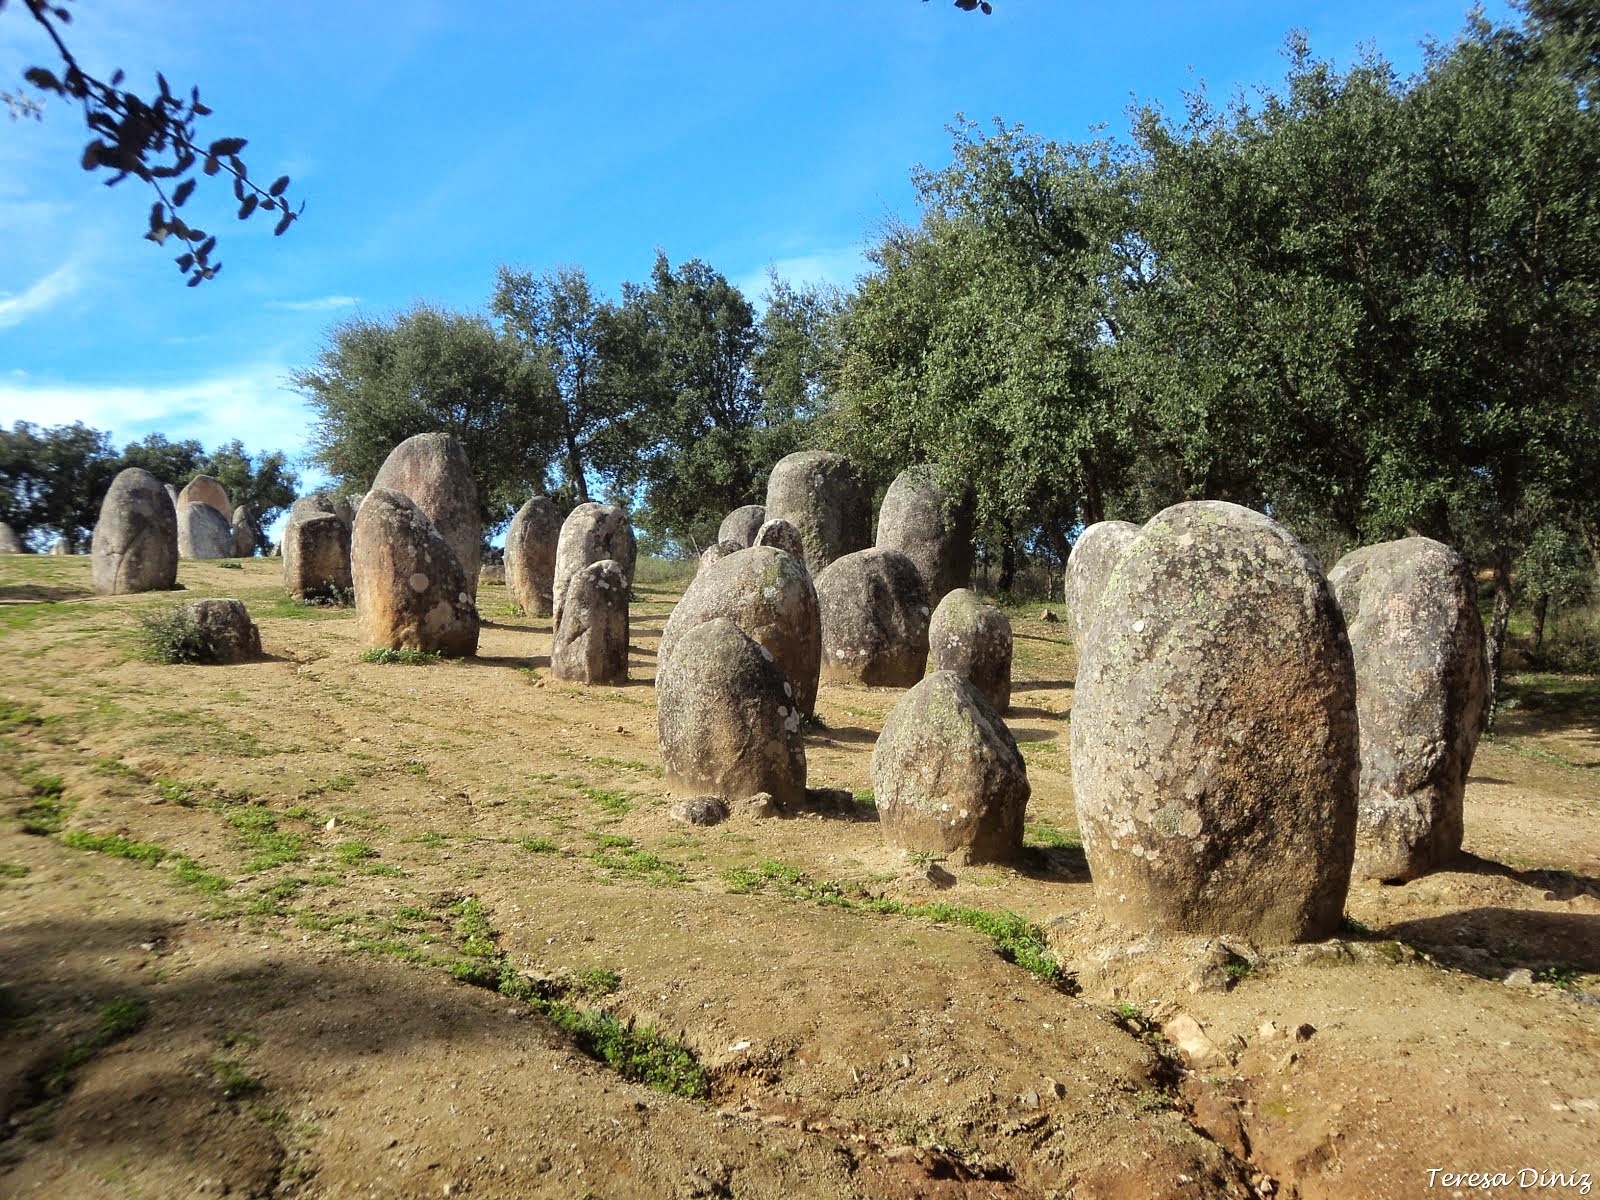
point(1214, 745)
point(432, 469)
point(135, 545)
point(1421, 695)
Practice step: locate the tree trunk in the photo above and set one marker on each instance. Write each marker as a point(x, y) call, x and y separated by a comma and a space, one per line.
point(1541, 610)
point(1008, 559)
point(575, 469)
point(1094, 501)
point(1497, 624)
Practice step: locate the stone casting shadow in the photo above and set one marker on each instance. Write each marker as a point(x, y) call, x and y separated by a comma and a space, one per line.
point(1036, 713)
point(34, 593)
point(1028, 733)
point(1054, 864)
point(848, 734)
point(1484, 941)
point(514, 661)
point(1044, 685)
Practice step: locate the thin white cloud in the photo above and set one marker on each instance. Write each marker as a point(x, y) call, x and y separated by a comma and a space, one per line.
point(837, 267)
point(320, 304)
point(56, 286)
point(252, 404)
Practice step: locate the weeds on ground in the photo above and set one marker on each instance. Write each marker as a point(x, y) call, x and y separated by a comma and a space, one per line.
point(1016, 939)
point(45, 811)
point(640, 1054)
point(119, 1019)
point(187, 872)
point(170, 635)
point(405, 656)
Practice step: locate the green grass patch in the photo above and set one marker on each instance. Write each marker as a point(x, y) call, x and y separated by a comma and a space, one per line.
point(406, 656)
point(235, 1080)
point(538, 845)
point(353, 852)
point(45, 810)
point(612, 801)
point(1016, 939)
point(187, 872)
point(257, 826)
point(174, 792)
point(621, 857)
point(11, 870)
point(639, 1054)
point(17, 714)
point(1051, 838)
point(118, 1020)
point(339, 783)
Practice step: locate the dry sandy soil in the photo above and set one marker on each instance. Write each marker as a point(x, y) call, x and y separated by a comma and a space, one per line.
point(319, 927)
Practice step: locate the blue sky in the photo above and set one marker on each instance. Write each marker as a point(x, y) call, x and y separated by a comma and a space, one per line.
point(432, 141)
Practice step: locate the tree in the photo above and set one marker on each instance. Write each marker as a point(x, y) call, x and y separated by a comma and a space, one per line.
point(171, 462)
point(976, 345)
point(695, 435)
point(155, 140)
point(52, 481)
point(264, 483)
point(428, 370)
point(557, 320)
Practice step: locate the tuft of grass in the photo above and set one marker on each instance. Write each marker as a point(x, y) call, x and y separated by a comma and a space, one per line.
point(538, 845)
point(11, 870)
point(621, 857)
point(596, 981)
point(235, 1080)
point(639, 1054)
point(1052, 838)
point(1016, 939)
point(353, 852)
point(170, 635)
point(608, 799)
point(187, 872)
point(228, 565)
point(405, 656)
point(174, 792)
point(46, 809)
point(119, 1019)
point(258, 828)
point(340, 783)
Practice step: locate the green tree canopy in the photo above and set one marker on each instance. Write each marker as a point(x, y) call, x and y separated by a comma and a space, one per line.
point(377, 383)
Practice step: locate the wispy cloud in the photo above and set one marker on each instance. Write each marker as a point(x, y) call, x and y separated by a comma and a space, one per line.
point(320, 304)
point(837, 266)
point(252, 404)
point(57, 285)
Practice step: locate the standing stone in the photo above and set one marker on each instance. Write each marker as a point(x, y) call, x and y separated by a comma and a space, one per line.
point(226, 630)
point(310, 506)
point(726, 720)
point(433, 470)
point(784, 536)
point(173, 492)
point(203, 489)
point(973, 639)
point(591, 642)
point(245, 538)
point(947, 774)
point(874, 619)
point(1094, 556)
point(60, 548)
point(1421, 697)
point(203, 532)
point(411, 591)
point(531, 556)
point(135, 546)
point(592, 532)
point(1214, 738)
point(769, 595)
point(344, 507)
point(822, 496)
point(716, 552)
point(316, 558)
point(931, 527)
point(10, 543)
point(741, 525)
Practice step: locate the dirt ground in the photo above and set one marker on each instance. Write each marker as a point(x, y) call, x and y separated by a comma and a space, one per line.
point(320, 927)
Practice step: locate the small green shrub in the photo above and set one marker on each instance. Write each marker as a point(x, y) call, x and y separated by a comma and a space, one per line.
point(170, 635)
point(46, 809)
point(405, 656)
point(235, 1080)
point(231, 566)
point(329, 595)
